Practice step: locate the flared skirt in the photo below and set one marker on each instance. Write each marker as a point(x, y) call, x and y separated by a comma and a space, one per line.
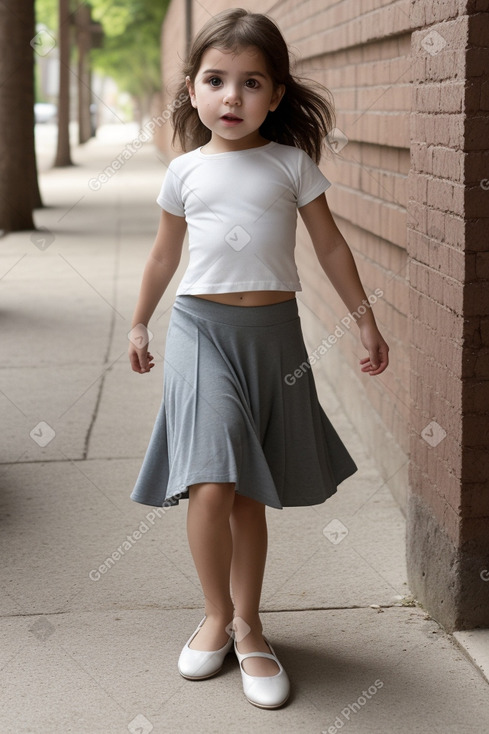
point(240, 405)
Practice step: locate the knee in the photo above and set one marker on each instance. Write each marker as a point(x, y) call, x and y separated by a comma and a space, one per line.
point(246, 508)
point(214, 499)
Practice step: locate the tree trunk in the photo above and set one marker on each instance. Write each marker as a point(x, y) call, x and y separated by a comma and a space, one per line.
point(63, 154)
point(19, 191)
point(83, 21)
point(142, 105)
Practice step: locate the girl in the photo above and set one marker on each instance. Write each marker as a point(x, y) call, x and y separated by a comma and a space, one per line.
point(234, 432)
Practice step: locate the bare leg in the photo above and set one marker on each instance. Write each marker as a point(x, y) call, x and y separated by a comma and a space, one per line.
point(249, 542)
point(210, 541)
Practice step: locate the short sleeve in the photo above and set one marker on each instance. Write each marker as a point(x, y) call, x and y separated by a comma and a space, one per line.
point(170, 196)
point(311, 181)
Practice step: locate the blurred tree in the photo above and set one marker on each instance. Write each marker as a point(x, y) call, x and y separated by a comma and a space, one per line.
point(63, 153)
point(131, 56)
point(19, 190)
point(86, 33)
point(131, 48)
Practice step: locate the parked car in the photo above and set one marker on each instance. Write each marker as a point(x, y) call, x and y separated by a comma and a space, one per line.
point(45, 112)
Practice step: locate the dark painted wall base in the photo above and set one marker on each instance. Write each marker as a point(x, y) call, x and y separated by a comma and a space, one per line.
point(452, 584)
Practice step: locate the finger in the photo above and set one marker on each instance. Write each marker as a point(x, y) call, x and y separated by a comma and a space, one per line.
point(140, 362)
point(372, 369)
point(368, 365)
point(383, 357)
point(384, 361)
point(377, 371)
point(365, 365)
point(144, 365)
point(147, 362)
point(375, 358)
point(134, 359)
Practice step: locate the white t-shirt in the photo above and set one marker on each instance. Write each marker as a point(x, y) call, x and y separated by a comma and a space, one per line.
point(241, 213)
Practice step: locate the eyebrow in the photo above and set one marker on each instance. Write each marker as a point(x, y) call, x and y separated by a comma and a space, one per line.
point(223, 73)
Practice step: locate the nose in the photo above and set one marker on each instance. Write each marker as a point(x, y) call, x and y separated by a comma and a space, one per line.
point(232, 95)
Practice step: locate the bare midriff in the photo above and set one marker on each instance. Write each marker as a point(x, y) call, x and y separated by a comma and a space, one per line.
point(249, 298)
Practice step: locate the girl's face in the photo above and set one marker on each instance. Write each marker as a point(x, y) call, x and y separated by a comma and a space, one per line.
point(233, 93)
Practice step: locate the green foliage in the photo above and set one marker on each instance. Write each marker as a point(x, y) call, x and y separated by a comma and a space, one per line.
point(130, 52)
point(47, 15)
point(131, 47)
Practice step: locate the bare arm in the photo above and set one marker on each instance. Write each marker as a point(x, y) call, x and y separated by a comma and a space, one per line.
point(337, 261)
point(160, 267)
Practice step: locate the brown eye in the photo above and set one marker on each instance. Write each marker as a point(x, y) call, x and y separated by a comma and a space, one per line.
point(252, 84)
point(214, 81)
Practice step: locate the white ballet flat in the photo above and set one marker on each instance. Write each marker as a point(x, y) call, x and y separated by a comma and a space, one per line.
point(201, 664)
point(264, 692)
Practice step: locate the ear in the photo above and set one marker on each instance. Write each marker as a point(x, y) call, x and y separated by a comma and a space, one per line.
point(278, 93)
point(191, 91)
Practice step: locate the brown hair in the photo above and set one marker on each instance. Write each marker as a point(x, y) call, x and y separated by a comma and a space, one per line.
point(304, 116)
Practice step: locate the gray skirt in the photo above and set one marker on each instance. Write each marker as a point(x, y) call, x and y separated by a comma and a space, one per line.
point(232, 410)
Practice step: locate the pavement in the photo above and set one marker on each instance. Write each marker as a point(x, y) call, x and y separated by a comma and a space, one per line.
point(99, 593)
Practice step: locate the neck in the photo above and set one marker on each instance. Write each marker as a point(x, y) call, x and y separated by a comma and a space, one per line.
point(220, 145)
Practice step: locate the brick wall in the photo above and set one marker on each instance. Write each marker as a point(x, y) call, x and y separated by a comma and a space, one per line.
point(448, 542)
point(406, 186)
point(363, 58)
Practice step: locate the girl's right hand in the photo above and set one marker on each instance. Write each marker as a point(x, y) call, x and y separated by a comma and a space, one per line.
point(141, 360)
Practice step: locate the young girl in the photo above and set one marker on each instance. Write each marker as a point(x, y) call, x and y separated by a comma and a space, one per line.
point(234, 432)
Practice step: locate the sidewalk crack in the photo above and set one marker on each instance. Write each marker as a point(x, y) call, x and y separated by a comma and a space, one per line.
point(86, 446)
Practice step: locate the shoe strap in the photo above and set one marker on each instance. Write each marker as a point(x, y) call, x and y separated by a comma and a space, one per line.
point(243, 656)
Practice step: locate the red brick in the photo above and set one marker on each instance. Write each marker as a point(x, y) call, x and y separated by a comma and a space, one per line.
point(442, 11)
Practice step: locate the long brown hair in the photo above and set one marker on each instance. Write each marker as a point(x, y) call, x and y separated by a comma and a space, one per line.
point(305, 114)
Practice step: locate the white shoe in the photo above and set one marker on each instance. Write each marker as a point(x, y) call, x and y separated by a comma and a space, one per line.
point(264, 692)
point(201, 664)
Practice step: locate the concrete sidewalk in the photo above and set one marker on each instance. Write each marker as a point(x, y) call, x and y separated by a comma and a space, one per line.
point(90, 646)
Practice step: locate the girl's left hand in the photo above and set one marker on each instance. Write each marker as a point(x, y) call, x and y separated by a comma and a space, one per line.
point(377, 348)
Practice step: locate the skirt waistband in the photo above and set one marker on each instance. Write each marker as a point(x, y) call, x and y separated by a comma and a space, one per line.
point(272, 315)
